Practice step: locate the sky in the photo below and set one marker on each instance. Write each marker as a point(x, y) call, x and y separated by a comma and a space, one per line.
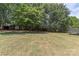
point(74, 9)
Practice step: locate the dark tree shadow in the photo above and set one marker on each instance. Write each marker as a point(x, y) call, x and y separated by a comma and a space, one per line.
point(74, 34)
point(21, 32)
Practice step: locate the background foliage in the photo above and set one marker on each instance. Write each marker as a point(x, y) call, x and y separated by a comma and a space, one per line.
point(44, 17)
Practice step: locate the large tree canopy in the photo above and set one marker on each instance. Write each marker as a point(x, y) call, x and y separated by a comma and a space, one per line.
point(49, 17)
point(57, 16)
point(28, 16)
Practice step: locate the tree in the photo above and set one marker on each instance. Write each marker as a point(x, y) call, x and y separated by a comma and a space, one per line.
point(26, 15)
point(6, 11)
point(74, 22)
point(57, 17)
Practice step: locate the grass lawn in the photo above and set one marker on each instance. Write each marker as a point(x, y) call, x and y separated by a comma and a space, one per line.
point(28, 43)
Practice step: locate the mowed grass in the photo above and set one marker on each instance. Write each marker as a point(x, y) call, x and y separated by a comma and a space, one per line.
point(35, 44)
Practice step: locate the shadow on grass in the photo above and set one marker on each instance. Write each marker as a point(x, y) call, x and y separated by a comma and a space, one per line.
point(20, 32)
point(74, 34)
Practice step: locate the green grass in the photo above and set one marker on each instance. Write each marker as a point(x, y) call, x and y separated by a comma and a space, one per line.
point(38, 43)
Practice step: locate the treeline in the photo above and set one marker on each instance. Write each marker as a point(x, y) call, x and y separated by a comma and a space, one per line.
point(44, 17)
